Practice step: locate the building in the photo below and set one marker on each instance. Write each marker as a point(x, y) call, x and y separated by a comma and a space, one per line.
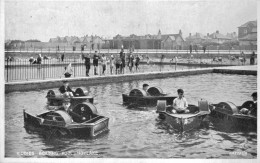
point(218, 38)
point(166, 41)
point(247, 34)
point(172, 41)
point(195, 39)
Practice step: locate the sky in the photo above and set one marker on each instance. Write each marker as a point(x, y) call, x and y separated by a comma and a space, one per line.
point(43, 20)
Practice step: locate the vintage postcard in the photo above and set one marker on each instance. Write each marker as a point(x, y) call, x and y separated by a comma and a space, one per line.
point(129, 80)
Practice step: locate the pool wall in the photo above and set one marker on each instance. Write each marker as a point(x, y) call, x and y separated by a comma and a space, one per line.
point(82, 81)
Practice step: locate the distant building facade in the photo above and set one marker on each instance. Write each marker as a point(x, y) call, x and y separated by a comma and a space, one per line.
point(159, 41)
point(247, 34)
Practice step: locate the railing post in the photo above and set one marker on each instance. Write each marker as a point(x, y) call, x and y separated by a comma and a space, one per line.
point(7, 71)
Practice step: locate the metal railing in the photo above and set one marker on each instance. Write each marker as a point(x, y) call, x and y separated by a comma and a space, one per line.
point(18, 68)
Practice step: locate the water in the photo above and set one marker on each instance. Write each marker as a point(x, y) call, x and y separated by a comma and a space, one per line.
point(139, 133)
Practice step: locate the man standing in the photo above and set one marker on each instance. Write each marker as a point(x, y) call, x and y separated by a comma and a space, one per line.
point(190, 48)
point(87, 63)
point(95, 62)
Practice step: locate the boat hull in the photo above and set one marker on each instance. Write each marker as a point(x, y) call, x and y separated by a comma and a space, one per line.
point(91, 128)
point(236, 120)
point(145, 101)
point(183, 122)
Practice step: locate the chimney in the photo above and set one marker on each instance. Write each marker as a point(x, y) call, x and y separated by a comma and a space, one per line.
point(180, 33)
point(217, 32)
point(190, 34)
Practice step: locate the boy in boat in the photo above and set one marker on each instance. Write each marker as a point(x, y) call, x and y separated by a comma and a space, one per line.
point(145, 88)
point(180, 103)
point(253, 109)
point(65, 105)
point(65, 90)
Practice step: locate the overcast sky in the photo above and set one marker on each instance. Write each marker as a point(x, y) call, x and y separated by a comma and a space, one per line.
point(47, 19)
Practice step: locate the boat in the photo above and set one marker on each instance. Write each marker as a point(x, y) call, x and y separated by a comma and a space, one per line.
point(230, 114)
point(54, 101)
point(81, 121)
point(140, 97)
point(186, 121)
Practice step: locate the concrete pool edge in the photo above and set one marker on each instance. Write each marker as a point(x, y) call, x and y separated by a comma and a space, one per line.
point(45, 84)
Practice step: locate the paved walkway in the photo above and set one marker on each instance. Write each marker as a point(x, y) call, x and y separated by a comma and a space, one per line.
point(249, 67)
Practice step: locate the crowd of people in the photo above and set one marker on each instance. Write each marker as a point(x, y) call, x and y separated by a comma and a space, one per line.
point(117, 63)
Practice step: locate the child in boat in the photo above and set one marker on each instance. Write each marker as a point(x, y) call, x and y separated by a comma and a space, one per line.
point(180, 103)
point(65, 105)
point(145, 88)
point(253, 109)
point(65, 90)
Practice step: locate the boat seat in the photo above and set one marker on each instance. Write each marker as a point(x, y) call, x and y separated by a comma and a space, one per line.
point(203, 105)
point(83, 112)
point(155, 91)
point(137, 93)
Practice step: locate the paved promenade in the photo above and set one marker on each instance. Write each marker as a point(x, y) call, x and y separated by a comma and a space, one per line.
point(46, 84)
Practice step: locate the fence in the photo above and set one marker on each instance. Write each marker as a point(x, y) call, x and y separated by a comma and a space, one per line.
point(20, 69)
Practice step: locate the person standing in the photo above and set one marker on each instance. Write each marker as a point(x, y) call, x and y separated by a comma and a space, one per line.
point(137, 62)
point(204, 48)
point(111, 63)
point(39, 59)
point(95, 62)
point(62, 57)
point(131, 62)
point(87, 63)
point(118, 63)
point(122, 66)
point(104, 63)
point(252, 58)
point(190, 48)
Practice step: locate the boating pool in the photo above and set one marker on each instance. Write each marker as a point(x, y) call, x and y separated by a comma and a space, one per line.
point(138, 134)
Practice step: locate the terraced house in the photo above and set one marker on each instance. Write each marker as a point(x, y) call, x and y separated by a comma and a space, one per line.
point(247, 34)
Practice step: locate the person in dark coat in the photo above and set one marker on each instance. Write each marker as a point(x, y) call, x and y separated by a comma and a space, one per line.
point(39, 59)
point(122, 66)
point(252, 58)
point(65, 90)
point(252, 110)
point(190, 48)
point(137, 62)
point(204, 49)
point(95, 62)
point(87, 63)
point(62, 57)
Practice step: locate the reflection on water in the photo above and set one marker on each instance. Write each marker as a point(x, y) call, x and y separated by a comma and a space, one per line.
point(138, 133)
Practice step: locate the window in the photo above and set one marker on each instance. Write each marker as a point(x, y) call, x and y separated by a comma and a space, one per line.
point(245, 31)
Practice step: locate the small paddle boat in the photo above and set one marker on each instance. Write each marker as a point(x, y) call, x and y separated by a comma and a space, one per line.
point(185, 121)
point(55, 101)
point(231, 114)
point(140, 97)
point(81, 121)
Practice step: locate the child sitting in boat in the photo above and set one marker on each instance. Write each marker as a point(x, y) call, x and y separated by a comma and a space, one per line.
point(145, 88)
point(180, 103)
point(65, 90)
point(65, 105)
point(253, 109)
